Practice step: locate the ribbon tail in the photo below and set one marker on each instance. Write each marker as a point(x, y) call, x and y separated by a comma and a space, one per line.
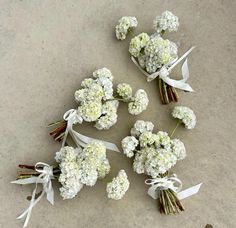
point(50, 196)
point(28, 211)
point(189, 192)
point(82, 140)
point(30, 180)
point(152, 191)
point(179, 84)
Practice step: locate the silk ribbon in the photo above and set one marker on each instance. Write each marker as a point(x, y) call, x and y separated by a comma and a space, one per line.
point(44, 178)
point(173, 183)
point(80, 140)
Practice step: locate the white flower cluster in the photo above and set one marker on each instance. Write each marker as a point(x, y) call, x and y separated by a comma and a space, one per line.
point(97, 103)
point(154, 154)
point(137, 103)
point(79, 167)
point(157, 53)
point(124, 90)
point(93, 99)
point(118, 187)
point(186, 115)
point(138, 43)
point(166, 22)
point(154, 52)
point(124, 26)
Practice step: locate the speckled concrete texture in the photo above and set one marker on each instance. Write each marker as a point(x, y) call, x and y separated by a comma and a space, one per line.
point(48, 47)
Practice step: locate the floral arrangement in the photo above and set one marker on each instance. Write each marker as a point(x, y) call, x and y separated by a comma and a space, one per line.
point(156, 57)
point(98, 103)
point(74, 169)
point(156, 153)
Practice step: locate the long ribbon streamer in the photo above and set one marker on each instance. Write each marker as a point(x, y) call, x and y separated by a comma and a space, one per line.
point(164, 72)
point(80, 140)
point(172, 183)
point(46, 174)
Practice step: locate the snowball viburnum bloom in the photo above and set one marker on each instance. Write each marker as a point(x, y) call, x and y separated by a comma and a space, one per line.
point(186, 115)
point(118, 187)
point(125, 24)
point(166, 22)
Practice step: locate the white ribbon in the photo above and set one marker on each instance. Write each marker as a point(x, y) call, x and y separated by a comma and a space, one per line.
point(164, 72)
point(80, 140)
point(172, 183)
point(46, 174)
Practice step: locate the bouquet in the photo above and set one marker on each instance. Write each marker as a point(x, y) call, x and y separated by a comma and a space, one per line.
point(156, 57)
point(155, 154)
point(98, 103)
point(74, 168)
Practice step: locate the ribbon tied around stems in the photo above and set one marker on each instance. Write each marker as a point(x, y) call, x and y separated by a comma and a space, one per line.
point(173, 183)
point(44, 178)
point(165, 70)
point(80, 140)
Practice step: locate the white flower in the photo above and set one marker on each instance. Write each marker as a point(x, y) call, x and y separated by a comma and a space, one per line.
point(70, 172)
point(186, 115)
point(94, 92)
point(141, 126)
point(159, 161)
point(167, 21)
point(140, 159)
point(80, 167)
point(139, 104)
point(67, 154)
point(163, 139)
point(109, 115)
point(90, 111)
point(87, 82)
point(125, 24)
point(147, 138)
point(124, 90)
point(107, 86)
point(178, 149)
point(159, 52)
point(118, 187)
point(103, 72)
point(138, 43)
point(89, 174)
point(129, 144)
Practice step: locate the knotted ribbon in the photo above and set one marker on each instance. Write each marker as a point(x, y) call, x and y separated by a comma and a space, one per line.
point(46, 174)
point(80, 140)
point(173, 183)
point(165, 70)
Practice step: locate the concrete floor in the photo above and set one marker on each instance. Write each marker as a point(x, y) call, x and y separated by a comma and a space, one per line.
point(48, 47)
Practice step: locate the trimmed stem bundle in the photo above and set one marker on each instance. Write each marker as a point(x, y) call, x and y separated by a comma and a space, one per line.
point(29, 171)
point(167, 93)
point(169, 202)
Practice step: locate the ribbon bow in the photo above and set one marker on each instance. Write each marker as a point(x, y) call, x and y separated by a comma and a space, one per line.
point(164, 72)
point(163, 183)
point(80, 140)
point(173, 183)
point(46, 174)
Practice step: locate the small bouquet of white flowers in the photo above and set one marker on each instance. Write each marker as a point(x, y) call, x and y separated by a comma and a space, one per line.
point(156, 57)
point(155, 154)
point(98, 103)
point(74, 169)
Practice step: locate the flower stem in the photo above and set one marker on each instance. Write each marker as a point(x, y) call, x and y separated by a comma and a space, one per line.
point(178, 123)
